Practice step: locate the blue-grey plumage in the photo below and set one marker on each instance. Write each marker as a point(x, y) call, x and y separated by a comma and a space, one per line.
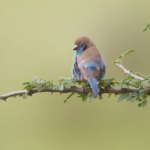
point(93, 84)
point(76, 74)
point(88, 63)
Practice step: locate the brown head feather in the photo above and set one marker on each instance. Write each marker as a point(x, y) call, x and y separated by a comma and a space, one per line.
point(84, 39)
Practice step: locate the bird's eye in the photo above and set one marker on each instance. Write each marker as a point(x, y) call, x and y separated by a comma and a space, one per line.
point(82, 45)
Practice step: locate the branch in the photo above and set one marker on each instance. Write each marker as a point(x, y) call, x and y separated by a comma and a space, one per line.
point(128, 72)
point(14, 93)
point(73, 89)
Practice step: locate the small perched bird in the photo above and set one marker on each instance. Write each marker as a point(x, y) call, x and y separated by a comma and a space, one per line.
point(88, 63)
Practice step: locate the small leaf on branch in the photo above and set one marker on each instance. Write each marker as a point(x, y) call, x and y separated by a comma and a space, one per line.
point(133, 94)
point(24, 95)
point(120, 58)
point(147, 27)
point(69, 97)
point(123, 96)
point(90, 99)
point(144, 82)
point(143, 104)
point(109, 94)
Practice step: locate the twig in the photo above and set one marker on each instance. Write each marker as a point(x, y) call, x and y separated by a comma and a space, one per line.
point(128, 72)
point(14, 93)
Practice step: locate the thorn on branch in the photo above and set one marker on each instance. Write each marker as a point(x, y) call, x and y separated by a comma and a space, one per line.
point(72, 86)
point(116, 94)
point(100, 94)
point(4, 99)
point(107, 88)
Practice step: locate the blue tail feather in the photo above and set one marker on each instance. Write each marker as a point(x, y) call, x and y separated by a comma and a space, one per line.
point(93, 84)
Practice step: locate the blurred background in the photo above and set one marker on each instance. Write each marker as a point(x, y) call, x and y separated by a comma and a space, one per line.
point(36, 39)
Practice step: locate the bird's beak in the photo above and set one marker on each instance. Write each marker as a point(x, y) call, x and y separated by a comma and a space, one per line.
point(76, 47)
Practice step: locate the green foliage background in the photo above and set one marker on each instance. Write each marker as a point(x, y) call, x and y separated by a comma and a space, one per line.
point(37, 38)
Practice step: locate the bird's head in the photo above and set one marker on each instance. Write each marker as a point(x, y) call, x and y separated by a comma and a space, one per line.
point(82, 43)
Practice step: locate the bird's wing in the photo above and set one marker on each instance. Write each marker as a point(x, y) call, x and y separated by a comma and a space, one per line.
point(91, 69)
point(76, 73)
point(103, 67)
point(91, 64)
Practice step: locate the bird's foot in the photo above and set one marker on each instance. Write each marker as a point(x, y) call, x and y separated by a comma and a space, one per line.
point(83, 87)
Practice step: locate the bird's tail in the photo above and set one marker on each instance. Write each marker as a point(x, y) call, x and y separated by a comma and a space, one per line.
point(93, 84)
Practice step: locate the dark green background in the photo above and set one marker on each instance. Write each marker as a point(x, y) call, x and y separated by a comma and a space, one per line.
point(36, 38)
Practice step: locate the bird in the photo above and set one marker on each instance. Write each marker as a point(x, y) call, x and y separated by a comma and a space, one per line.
point(88, 63)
